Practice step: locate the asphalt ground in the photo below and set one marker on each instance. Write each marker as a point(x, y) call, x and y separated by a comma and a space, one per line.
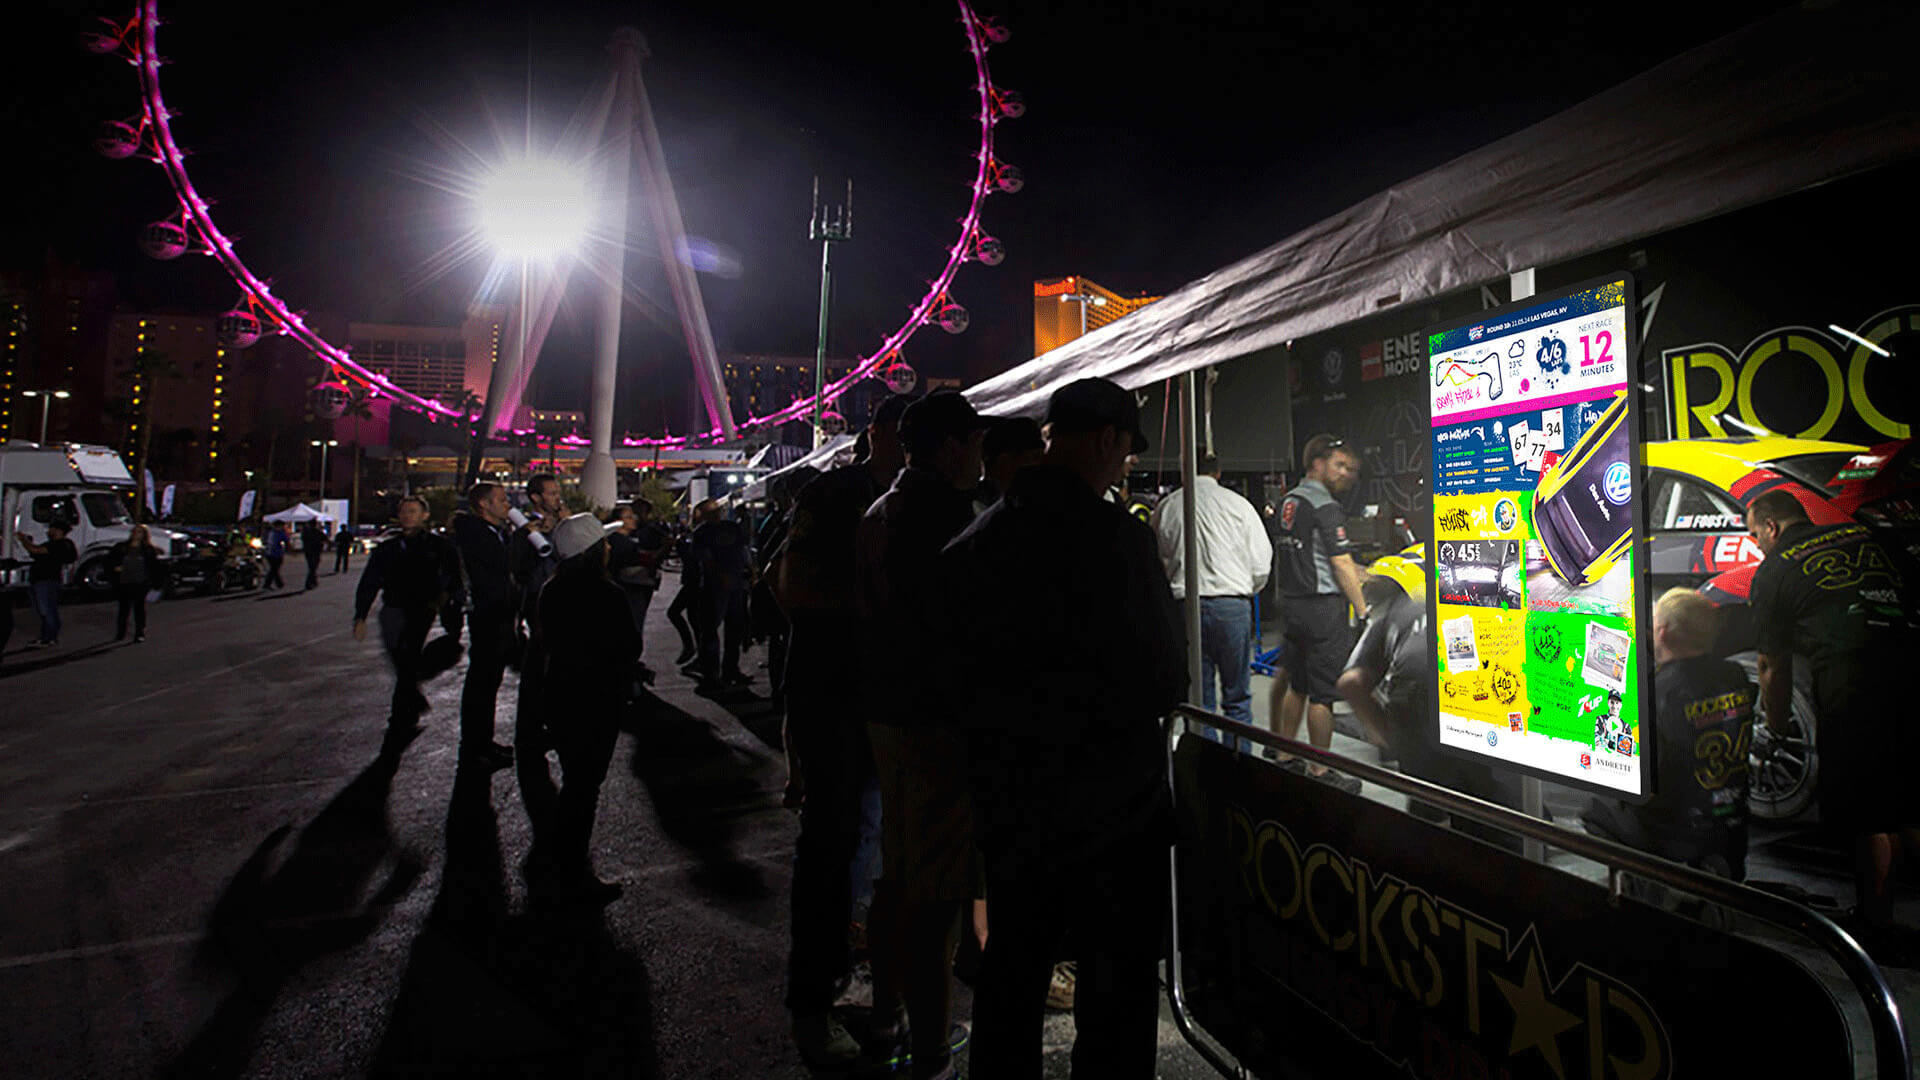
point(212, 870)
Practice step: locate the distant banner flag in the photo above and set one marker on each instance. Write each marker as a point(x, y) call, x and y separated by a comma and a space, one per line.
point(166, 501)
point(149, 476)
point(246, 505)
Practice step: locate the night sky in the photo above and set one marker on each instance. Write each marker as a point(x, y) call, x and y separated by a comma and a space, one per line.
point(1162, 141)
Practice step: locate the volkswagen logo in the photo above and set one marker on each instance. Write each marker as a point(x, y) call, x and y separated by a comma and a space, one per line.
point(1618, 483)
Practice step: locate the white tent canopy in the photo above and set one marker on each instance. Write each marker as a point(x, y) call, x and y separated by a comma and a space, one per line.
point(298, 512)
point(821, 459)
point(1809, 95)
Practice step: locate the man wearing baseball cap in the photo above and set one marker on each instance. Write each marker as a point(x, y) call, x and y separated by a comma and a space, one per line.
point(589, 641)
point(926, 827)
point(1061, 649)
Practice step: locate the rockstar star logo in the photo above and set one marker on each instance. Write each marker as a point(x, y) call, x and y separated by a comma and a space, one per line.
point(1537, 1021)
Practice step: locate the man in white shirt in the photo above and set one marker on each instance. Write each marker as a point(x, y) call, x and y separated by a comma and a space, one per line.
point(1235, 558)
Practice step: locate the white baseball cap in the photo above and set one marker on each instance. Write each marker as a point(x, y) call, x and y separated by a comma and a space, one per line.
point(578, 533)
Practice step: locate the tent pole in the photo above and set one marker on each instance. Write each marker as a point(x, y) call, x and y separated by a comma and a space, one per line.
point(1190, 537)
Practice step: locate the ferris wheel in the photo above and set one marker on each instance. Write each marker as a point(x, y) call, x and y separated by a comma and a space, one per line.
point(190, 229)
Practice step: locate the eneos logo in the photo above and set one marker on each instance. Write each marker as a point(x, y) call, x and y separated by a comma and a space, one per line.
point(1618, 483)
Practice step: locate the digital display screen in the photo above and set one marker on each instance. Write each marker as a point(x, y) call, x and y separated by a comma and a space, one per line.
point(1535, 606)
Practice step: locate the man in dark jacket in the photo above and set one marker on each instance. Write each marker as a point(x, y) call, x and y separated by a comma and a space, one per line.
point(722, 553)
point(530, 560)
point(826, 730)
point(313, 541)
point(415, 573)
point(1833, 595)
point(926, 823)
point(342, 547)
point(586, 633)
point(1065, 649)
point(493, 601)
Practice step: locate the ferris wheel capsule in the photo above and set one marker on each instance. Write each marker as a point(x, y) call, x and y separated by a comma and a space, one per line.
point(832, 425)
point(953, 318)
point(1010, 103)
point(900, 378)
point(116, 139)
point(164, 240)
point(237, 329)
point(996, 31)
point(330, 400)
point(1008, 178)
point(989, 251)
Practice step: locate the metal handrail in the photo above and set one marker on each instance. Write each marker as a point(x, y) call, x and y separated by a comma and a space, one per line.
point(1883, 1011)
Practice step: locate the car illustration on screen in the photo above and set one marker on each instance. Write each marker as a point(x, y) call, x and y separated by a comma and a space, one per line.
point(1582, 505)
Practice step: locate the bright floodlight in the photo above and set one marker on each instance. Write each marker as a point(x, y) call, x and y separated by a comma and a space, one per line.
point(535, 209)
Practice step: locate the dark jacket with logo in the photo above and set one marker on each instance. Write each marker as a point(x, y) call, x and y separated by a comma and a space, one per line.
point(1703, 717)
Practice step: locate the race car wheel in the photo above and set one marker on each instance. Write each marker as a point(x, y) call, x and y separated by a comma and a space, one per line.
point(1783, 771)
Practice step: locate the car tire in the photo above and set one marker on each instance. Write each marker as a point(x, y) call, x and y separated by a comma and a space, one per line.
point(92, 577)
point(1785, 788)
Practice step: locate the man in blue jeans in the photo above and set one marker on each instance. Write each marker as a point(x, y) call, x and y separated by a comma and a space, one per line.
point(1236, 558)
point(50, 561)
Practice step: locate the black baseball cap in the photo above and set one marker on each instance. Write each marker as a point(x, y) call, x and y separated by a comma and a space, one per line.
point(939, 415)
point(890, 410)
point(1012, 435)
point(1088, 404)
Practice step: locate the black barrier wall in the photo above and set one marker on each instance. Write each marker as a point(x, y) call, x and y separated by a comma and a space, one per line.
point(1326, 934)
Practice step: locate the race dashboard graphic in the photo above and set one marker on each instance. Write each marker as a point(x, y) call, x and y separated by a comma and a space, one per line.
point(1534, 502)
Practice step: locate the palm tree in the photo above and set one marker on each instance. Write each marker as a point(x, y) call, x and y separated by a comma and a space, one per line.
point(142, 374)
point(470, 406)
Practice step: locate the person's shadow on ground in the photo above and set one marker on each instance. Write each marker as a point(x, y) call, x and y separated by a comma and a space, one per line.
point(271, 922)
point(545, 993)
point(48, 660)
point(701, 789)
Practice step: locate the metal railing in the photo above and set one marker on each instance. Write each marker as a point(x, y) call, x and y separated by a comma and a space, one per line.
point(1883, 1011)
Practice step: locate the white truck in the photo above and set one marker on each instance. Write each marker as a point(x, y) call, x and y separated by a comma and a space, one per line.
point(40, 485)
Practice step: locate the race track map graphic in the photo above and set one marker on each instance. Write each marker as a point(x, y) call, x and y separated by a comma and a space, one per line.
point(1534, 505)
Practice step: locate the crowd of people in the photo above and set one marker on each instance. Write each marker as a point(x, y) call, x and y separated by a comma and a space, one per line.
point(973, 643)
point(972, 634)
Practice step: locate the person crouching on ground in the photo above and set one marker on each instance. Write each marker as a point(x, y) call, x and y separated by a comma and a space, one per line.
point(589, 639)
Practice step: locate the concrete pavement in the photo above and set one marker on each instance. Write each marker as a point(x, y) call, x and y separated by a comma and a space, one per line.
point(214, 871)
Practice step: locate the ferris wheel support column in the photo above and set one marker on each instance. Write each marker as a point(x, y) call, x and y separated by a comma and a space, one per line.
point(598, 481)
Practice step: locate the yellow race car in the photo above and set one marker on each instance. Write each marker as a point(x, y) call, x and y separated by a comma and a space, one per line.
point(1581, 507)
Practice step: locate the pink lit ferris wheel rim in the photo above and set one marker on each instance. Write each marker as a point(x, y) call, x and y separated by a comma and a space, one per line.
point(194, 212)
